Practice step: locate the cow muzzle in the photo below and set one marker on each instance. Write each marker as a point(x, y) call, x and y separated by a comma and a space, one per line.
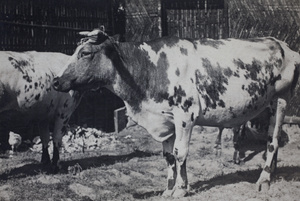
point(57, 85)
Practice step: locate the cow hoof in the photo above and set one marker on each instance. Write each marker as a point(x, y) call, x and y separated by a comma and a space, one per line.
point(168, 193)
point(218, 152)
point(179, 193)
point(264, 186)
point(45, 160)
point(237, 162)
point(54, 169)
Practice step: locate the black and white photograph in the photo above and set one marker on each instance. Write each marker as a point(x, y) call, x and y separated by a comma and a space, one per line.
point(128, 100)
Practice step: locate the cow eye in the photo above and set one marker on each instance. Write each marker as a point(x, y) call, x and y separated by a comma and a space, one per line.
point(85, 53)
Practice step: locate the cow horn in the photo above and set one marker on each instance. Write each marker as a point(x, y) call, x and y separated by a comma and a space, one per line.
point(84, 33)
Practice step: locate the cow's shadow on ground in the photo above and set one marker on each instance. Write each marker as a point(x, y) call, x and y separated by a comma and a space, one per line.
point(257, 146)
point(34, 167)
point(286, 173)
point(251, 176)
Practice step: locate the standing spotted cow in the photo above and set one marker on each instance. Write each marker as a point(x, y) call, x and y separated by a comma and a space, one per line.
point(169, 85)
point(28, 101)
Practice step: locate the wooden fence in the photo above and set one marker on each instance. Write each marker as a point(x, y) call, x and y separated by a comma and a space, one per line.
point(50, 25)
point(256, 18)
point(195, 18)
point(142, 20)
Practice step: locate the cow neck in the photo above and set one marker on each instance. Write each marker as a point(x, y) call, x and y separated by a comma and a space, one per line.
point(128, 87)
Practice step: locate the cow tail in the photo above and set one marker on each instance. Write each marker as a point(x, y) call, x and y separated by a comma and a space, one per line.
point(295, 78)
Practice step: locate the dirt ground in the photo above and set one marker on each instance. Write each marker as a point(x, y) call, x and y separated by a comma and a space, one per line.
point(130, 166)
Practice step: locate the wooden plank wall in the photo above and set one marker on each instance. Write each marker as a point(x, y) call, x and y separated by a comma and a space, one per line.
point(49, 25)
point(256, 18)
point(142, 20)
point(195, 18)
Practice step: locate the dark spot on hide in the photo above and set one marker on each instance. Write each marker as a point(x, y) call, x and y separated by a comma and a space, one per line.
point(157, 44)
point(270, 139)
point(169, 158)
point(177, 72)
point(212, 85)
point(252, 70)
point(183, 124)
point(183, 51)
point(187, 104)
point(271, 148)
point(37, 97)
point(176, 99)
point(267, 169)
point(221, 103)
point(274, 79)
point(176, 151)
point(212, 43)
point(23, 66)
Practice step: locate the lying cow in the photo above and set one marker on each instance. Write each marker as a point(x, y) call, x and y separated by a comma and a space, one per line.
point(28, 101)
point(169, 85)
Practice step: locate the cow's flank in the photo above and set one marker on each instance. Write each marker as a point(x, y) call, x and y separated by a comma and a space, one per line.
point(170, 85)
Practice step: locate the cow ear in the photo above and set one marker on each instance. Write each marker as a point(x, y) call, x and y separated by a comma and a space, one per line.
point(102, 28)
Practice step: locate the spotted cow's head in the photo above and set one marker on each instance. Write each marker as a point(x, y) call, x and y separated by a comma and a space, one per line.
point(90, 66)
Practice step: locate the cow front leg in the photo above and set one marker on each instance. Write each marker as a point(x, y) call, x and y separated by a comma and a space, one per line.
point(183, 132)
point(272, 148)
point(45, 138)
point(168, 146)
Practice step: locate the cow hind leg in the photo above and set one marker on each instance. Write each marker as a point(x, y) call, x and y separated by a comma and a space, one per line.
point(168, 146)
point(272, 148)
point(238, 135)
point(218, 143)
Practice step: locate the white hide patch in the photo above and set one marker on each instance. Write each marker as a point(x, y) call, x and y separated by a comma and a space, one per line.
point(153, 56)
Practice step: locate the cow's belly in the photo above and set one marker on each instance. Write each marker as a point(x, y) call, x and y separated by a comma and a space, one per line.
point(228, 117)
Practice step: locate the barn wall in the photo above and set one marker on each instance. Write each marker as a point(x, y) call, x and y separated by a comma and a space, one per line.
point(50, 25)
point(194, 18)
point(96, 110)
point(256, 18)
point(146, 20)
point(142, 20)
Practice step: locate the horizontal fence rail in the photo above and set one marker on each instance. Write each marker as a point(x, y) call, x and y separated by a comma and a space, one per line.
point(50, 25)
